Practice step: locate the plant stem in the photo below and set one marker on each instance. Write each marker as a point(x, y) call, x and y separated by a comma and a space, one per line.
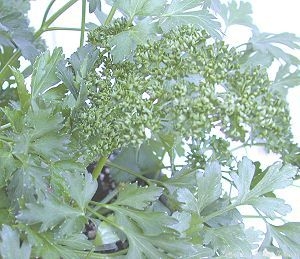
point(247, 145)
point(62, 29)
point(47, 11)
point(110, 196)
point(38, 33)
point(129, 171)
point(5, 126)
point(111, 14)
point(220, 212)
point(99, 167)
point(83, 12)
point(99, 216)
point(58, 13)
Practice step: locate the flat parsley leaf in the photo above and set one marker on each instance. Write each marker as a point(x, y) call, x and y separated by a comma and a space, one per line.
point(10, 245)
point(183, 12)
point(141, 7)
point(136, 197)
point(50, 213)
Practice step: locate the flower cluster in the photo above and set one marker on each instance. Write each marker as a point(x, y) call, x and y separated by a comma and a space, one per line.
point(184, 83)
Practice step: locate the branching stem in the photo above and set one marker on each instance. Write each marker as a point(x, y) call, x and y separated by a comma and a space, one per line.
point(111, 14)
point(44, 27)
point(99, 167)
point(5, 126)
point(83, 12)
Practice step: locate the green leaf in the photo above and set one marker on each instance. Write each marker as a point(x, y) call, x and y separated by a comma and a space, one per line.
point(27, 181)
point(10, 245)
point(7, 166)
point(44, 72)
point(287, 237)
point(230, 241)
point(231, 217)
point(125, 42)
point(76, 241)
point(209, 190)
point(15, 31)
point(209, 185)
point(276, 177)
point(50, 213)
point(82, 188)
point(184, 219)
point(188, 199)
point(137, 197)
point(162, 245)
point(141, 7)
point(142, 160)
point(5, 55)
point(263, 48)
point(181, 12)
point(94, 5)
point(152, 223)
point(234, 14)
point(284, 80)
point(24, 96)
point(270, 206)
point(242, 181)
point(84, 59)
point(183, 179)
point(47, 247)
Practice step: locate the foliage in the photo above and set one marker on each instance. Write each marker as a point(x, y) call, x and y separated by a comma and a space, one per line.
point(151, 86)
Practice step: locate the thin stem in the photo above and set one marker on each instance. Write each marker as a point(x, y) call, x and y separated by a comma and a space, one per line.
point(58, 13)
point(129, 171)
point(6, 139)
point(62, 29)
point(110, 196)
point(99, 216)
point(99, 167)
point(83, 12)
point(257, 217)
point(219, 212)
point(12, 59)
point(47, 11)
point(38, 33)
point(5, 126)
point(248, 145)
point(111, 14)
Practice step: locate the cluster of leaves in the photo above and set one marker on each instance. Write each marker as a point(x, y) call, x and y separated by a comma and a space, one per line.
point(168, 77)
point(15, 37)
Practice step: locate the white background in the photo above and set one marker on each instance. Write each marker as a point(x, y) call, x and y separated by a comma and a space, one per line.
point(274, 16)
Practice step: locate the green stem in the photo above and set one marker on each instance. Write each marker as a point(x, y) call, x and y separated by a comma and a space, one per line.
point(111, 14)
point(248, 145)
point(99, 167)
point(110, 196)
point(58, 13)
point(38, 33)
point(47, 11)
point(220, 212)
point(6, 139)
point(5, 126)
point(99, 216)
point(83, 12)
point(129, 171)
point(62, 29)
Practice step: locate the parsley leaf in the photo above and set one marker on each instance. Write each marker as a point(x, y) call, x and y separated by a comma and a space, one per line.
point(10, 245)
point(50, 213)
point(141, 7)
point(182, 12)
point(44, 72)
point(136, 197)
